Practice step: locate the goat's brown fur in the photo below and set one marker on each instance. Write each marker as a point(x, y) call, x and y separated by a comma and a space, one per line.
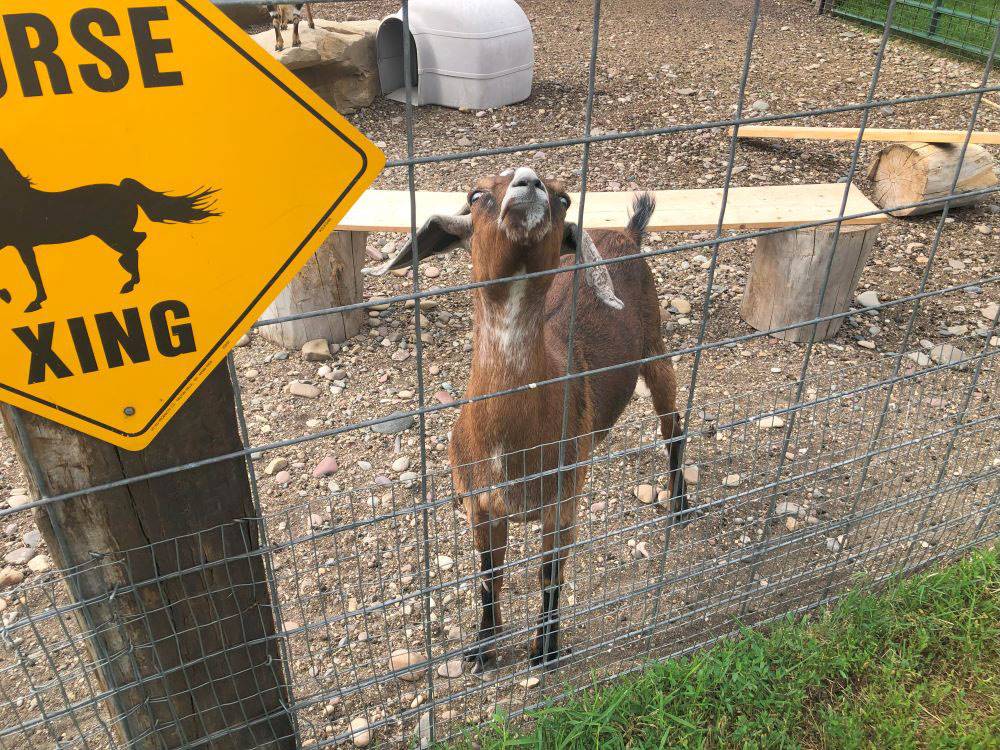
point(520, 336)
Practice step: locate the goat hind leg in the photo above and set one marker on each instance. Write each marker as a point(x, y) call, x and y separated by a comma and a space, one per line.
point(662, 383)
point(309, 16)
point(296, 20)
point(490, 537)
point(27, 253)
point(279, 43)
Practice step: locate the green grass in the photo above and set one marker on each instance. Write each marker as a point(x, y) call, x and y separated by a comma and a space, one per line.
point(915, 667)
point(914, 18)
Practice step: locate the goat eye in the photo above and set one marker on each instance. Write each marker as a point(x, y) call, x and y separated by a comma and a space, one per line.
point(476, 195)
point(564, 200)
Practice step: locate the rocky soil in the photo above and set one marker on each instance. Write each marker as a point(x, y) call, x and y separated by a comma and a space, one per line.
point(343, 511)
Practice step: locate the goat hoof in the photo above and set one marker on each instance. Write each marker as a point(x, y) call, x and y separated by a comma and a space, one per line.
point(483, 660)
point(551, 659)
point(5, 295)
point(34, 306)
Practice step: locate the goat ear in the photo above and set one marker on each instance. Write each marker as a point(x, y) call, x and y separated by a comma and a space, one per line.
point(597, 276)
point(439, 234)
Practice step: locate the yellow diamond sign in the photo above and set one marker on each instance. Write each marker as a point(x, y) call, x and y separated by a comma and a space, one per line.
point(161, 179)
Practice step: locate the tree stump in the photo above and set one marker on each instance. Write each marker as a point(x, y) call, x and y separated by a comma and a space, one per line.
point(905, 173)
point(331, 278)
point(787, 275)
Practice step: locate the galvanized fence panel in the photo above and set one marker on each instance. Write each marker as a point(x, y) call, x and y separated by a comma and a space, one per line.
point(809, 479)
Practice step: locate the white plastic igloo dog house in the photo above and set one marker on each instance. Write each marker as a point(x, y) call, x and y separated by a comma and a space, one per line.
point(464, 53)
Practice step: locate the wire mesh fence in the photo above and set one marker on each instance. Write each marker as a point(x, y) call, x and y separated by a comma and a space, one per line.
point(809, 468)
point(966, 27)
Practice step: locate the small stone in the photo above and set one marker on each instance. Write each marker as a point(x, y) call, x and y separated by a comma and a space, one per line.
point(19, 556)
point(760, 106)
point(866, 344)
point(431, 272)
point(956, 265)
point(598, 507)
point(304, 390)
point(663, 498)
point(451, 669)
point(409, 476)
point(444, 397)
point(282, 477)
point(403, 659)
point(17, 500)
point(686, 91)
point(641, 551)
point(946, 354)
point(33, 538)
point(692, 474)
point(732, 480)
point(770, 423)
point(361, 736)
point(401, 464)
point(791, 523)
point(243, 340)
point(834, 544)
point(396, 425)
point(40, 564)
point(10, 577)
point(868, 299)
point(787, 509)
point(990, 311)
point(983, 229)
point(326, 467)
point(530, 682)
point(317, 350)
point(681, 305)
point(445, 563)
point(275, 465)
point(645, 493)
point(920, 358)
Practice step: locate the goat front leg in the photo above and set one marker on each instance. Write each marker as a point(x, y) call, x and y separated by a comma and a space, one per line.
point(490, 537)
point(279, 43)
point(309, 16)
point(296, 20)
point(545, 645)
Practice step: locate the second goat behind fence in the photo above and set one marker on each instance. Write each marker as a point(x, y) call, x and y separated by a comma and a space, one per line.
point(505, 450)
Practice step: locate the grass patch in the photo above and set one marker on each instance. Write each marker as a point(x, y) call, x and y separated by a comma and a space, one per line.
point(968, 25)
point(917, 666)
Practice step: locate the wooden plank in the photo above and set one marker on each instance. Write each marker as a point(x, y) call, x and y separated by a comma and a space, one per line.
point(676, 210)
point(797, 132)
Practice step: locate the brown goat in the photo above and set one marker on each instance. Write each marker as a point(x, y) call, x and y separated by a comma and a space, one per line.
point(515, 224)
point(282, 14)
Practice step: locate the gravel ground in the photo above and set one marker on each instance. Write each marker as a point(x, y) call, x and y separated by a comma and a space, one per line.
point(352, 597)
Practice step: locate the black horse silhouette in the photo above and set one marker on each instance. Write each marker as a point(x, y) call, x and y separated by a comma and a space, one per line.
point(30, 217)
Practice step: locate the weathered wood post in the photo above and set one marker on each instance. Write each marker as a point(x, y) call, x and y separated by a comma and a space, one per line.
point(166, 575)
point(332, 277)
point(786, 278)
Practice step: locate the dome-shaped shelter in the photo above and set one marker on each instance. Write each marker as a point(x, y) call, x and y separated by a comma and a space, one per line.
point(473, 53)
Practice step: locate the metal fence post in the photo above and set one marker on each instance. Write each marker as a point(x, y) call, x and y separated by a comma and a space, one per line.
point(167, 576)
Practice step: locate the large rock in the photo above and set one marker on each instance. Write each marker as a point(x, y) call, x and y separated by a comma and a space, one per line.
point(336, 60)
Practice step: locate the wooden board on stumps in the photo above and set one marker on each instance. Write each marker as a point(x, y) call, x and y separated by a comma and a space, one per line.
point(907, 173)
point(331, 278)
point(166, 576)
point(787, 273)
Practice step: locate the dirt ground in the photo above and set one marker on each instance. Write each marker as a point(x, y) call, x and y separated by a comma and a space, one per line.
point(349, 546)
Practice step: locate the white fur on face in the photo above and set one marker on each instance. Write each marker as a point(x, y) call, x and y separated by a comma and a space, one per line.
point(534, 202)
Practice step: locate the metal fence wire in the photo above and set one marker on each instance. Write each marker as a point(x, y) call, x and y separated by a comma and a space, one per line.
point(810, 471)
point(966, 27)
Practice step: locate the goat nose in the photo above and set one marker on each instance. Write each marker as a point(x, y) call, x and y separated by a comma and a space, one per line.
point(527, 181)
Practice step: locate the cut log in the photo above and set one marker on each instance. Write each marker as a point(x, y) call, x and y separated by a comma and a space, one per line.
point(906, 173)
point(331, 278)
point(786, 278)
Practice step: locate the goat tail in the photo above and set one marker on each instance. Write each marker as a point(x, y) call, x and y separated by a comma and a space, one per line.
point(171, 209)
point(642, 211)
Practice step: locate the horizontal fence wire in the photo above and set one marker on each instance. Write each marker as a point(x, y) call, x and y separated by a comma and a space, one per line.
point(340, 609)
